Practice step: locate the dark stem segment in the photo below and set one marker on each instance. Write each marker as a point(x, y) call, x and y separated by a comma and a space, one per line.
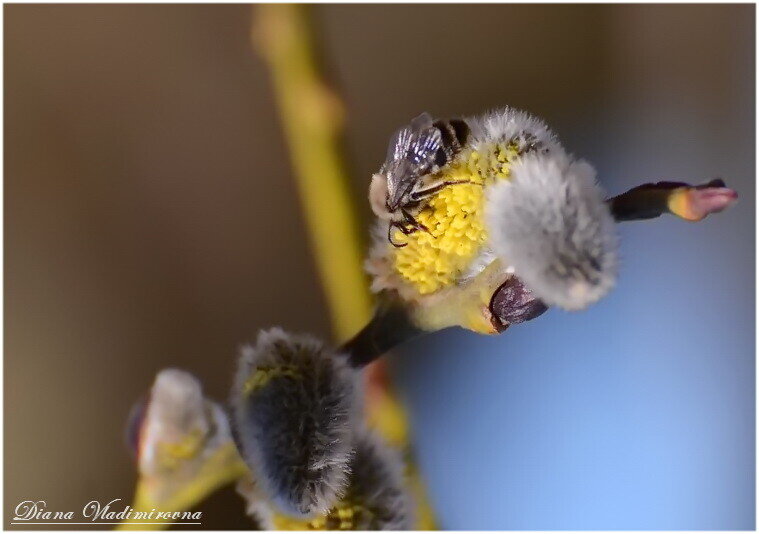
point(389, 327)
point(648, 201)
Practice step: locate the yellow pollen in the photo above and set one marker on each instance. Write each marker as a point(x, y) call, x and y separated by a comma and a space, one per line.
point(344, 516)
point(454, 219)
point(171, 454)
point(263, 375)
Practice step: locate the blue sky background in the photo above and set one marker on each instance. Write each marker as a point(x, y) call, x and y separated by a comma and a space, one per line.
point(639, 412)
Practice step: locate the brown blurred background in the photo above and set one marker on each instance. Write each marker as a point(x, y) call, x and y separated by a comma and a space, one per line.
point(150, 212)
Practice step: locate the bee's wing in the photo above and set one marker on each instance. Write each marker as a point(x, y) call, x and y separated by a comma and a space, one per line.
point(399, 144)
point(409, 139)
point(409, 150)
point(422, 121)
point(423, 145)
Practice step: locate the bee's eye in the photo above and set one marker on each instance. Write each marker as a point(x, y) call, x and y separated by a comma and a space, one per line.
point(440, 157)
point(416, 157)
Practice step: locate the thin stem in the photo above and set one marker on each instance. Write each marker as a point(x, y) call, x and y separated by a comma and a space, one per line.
point(312, 119)
point(394, 323)
point(221, 468)
point(389, 327)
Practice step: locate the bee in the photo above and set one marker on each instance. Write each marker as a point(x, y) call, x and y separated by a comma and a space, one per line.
point(408, 176)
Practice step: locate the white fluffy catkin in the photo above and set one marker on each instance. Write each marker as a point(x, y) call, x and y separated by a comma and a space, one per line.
point(508, 124)
point(550, 222)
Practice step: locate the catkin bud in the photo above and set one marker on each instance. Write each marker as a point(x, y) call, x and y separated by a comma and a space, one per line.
point(179, 438)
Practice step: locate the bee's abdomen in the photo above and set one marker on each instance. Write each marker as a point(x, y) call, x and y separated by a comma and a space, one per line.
point(454, 134)
point(460, 130)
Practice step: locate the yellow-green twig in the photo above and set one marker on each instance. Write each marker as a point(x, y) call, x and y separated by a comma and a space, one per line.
point(221, 468)
point(312, 117)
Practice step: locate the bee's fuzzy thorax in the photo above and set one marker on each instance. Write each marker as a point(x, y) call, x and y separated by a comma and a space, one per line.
point(295, 404)
point(550, 222)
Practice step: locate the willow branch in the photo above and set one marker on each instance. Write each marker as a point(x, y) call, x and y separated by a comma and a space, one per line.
point(312, 116)
point(393, 323)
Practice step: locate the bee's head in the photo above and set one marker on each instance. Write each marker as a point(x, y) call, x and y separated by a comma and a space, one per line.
point(400, 176)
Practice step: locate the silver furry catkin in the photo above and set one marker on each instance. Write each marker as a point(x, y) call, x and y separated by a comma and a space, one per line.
point(551, 224)
point(376, 484)
point(295, 407)
point(511, 124)
point(375, 498)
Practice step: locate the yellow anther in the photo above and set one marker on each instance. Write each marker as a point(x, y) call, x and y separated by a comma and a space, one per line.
point(454, 218)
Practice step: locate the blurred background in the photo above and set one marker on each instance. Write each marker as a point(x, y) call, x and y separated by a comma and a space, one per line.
point(152, 220)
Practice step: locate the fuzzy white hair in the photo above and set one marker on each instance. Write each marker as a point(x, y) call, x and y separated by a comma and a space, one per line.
point(550, 222)
point(508, 123)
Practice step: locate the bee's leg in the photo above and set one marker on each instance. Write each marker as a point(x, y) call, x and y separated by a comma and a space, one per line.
point(414, 223)
point(423, 193)
point(390, 234)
